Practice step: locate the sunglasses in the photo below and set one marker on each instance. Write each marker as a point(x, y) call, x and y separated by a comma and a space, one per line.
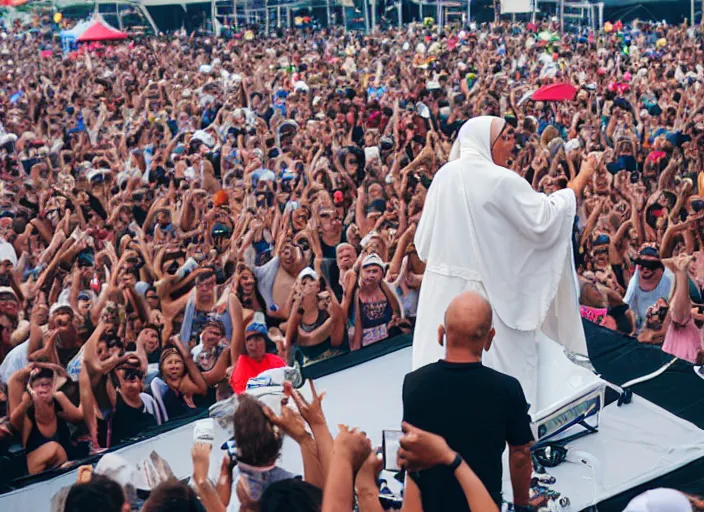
point(131, 374)
point(649, 264)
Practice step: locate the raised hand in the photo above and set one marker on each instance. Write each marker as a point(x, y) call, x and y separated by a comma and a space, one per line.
point(311, 412)
point(421, 450)
point(289, 421)
point(353, 446)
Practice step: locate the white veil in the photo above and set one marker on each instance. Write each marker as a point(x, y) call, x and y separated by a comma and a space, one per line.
point(474, 139)
point(483, 222)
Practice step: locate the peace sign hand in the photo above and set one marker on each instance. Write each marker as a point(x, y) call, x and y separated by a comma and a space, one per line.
point(312, 412)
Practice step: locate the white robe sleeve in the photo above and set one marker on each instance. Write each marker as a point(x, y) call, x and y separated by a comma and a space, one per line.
point(524, 240)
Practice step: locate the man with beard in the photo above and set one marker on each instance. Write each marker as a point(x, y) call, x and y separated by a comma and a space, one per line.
point(650, 283)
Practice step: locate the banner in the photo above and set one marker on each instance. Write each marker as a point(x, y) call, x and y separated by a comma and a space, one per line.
point(517, 6)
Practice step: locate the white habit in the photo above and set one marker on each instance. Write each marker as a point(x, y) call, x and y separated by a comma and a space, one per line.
point(485, 229)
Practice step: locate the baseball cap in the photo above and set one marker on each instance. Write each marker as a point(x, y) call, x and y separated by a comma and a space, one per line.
point(6, 290)
point(373, 259)
point(64, 307)
point(651, 250)
point(378, 205)
point(308, 272)
point(256, 329)
point(86, 295)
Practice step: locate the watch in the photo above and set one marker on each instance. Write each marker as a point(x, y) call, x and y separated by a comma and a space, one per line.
point(455, 463)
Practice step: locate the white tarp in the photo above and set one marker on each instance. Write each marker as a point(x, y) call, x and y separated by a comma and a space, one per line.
point(517, 6)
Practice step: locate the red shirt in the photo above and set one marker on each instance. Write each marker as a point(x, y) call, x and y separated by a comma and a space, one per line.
point(246, 368)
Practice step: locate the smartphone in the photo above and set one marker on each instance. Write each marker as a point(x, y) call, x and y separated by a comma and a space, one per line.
point(390, 444)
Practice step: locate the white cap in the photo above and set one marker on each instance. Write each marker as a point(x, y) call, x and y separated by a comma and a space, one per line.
point(8, 289)
point(373, 259)
point(59, 305)
point(300, 86)
point(660, 500)
point(308, 272)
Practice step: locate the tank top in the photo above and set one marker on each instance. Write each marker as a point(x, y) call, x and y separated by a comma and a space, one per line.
point(36, 438)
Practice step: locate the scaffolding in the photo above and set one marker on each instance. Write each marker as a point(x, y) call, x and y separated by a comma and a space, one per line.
point(364, 14)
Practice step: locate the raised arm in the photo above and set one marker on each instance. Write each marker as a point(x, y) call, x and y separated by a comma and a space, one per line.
point(193, 383)
point(237, 318)
point(681, 304)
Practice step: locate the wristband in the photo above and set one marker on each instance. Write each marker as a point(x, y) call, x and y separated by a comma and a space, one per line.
point(455, 463)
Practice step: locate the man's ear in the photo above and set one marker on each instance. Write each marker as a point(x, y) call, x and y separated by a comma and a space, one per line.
point(489, 339)
point(441, 335)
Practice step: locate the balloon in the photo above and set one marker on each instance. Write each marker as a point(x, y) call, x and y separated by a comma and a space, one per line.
point(58, 17)
point(661, 43)
point(608, 27)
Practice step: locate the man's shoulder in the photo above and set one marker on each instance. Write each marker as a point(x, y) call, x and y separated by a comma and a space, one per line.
point(428, 375)
point(423, 372)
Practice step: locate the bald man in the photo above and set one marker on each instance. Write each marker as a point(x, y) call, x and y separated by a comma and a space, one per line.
point(476, 409)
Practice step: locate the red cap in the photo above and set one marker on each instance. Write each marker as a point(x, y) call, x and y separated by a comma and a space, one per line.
point(337, 197)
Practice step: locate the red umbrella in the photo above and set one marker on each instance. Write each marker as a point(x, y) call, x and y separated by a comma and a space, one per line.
point(555, 92)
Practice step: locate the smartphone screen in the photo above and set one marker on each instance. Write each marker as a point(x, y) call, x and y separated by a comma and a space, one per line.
point(390, 446)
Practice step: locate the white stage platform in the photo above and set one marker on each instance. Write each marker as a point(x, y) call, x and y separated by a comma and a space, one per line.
point(635, 443)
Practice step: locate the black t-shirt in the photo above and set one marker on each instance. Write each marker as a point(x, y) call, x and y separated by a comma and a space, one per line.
point(128, 421)
point(477, 410)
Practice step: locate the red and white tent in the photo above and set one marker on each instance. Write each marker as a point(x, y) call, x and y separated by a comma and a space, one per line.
point(100, 30)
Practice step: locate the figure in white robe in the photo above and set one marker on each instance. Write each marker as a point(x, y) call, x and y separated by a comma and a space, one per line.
point(484, 228)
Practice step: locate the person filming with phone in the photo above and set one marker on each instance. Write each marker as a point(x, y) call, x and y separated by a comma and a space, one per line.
point(477, 424)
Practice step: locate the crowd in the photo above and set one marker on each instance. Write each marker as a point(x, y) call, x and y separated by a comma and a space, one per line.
point(180, 213)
